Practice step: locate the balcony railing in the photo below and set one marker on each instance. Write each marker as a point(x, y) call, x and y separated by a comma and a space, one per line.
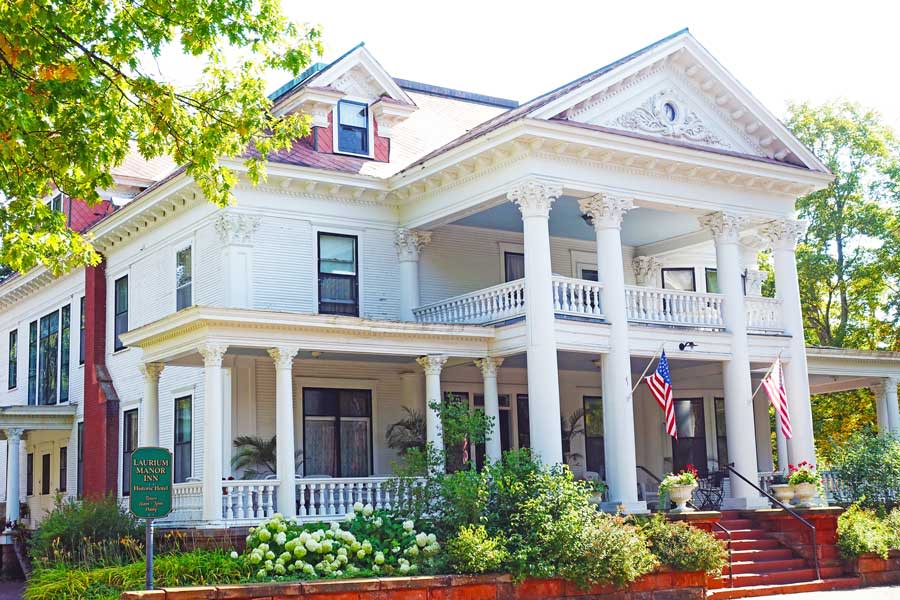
point(485, 306)
point(576, 297)
point(672, 307)
point(764, 314)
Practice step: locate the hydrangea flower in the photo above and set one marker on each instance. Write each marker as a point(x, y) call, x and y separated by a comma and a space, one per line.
point(408, 525)
point(422, 539)
point(367, 510)
point(280, 538)
point(234, 554)
point(357, 507)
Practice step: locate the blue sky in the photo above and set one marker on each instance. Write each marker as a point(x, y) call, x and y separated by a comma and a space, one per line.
point(781, 51)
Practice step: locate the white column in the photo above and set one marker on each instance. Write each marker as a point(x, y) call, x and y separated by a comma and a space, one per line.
point(13, 460)
point(741, 441)
point(784, 235)
point(213, 404)
point(409, 243)
point(764, 459)
point(227, 428)
point(534, 199)
point(151, 373)
point(607, 212)
point(781, 445)
point(647, 271)
point(432, 366)
point(891, 405)
point(881, 414)
point(236, 234)
point(285, 466)
point(489, 366)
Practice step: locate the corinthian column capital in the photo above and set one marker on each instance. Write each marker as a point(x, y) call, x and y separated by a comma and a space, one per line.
point(489, 366)
point(151, 371)
point(606, 210)
point(283, 356)
point(725, 227)
point(408, 243)
point(212, 354)
point(785, 233)
point(535, 197)
point(432, 363)
point(646, 269)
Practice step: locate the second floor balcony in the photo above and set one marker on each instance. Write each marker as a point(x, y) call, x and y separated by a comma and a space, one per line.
point(581, 298)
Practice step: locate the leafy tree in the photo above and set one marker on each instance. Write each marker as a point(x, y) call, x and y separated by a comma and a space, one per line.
point(849, 262)
point(78, 87)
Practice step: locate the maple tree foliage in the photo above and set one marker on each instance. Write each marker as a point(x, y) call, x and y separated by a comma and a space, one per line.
point(77, 96)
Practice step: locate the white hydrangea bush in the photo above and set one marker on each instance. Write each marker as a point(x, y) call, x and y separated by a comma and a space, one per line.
point(366, 543)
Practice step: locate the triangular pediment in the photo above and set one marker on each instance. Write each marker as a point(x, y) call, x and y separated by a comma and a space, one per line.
point(675, 91)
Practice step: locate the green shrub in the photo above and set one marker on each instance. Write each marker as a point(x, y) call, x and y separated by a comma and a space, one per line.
point(87, 533)
point(607, 549)
point(860, 531)
point(474, 551)
point(868, 468)
point(892, 522)
point(685, 548)
point(200, 567)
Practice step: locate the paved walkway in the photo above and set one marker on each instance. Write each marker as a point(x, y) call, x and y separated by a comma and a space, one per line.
point(11, 590)
point(872, 593)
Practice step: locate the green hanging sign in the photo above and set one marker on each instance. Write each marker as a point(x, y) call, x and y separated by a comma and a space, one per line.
point(151, 483)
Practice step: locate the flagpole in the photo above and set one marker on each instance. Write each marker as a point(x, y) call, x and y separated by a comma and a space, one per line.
point(649, 364)
point(772, 366)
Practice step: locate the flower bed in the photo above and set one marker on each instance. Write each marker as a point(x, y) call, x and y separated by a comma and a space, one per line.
point(656, 586)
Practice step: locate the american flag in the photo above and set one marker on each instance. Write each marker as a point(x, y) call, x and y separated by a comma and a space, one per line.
point(774, 384)
point(661, 387)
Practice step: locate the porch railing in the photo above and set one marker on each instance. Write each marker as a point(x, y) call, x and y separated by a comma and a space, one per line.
point(672, 307)
point(477, 308)
point(248, 499)
point(764, 314)
point(187, 501)
point(327, 497)
point(576, 296)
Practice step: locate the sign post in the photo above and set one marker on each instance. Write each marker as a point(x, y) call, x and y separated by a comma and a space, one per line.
point(151, 492)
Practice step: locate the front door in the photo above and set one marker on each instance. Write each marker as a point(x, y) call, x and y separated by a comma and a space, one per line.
point(690, 447)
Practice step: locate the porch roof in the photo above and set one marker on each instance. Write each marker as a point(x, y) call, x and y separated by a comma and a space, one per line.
point(178, 335)
point(59, 417)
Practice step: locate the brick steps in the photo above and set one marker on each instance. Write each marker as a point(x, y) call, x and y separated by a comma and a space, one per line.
point(756, 544)
point(819, 585)
point(764, 566)
point(742, 534)
point(762, 555)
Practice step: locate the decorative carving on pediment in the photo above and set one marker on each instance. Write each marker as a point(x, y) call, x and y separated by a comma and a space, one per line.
point(357, 82)
point(667, 114)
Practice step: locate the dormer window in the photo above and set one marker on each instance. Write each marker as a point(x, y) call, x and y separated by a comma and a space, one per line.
point(353, 127)
point(56, 202)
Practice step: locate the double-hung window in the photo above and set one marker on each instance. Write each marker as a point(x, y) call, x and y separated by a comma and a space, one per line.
point(79, 467)
point(48, 355)
point(12, 361)
point(337, 432)
point(32, 362)
point(29, 474)
point(353, 127)
point(712, 281)
point(65, 317)
point(121, 310)
point(184, 295)
point(338, 274)
point(129, 445)
point(81, 330)
point(183, 437)
point(690, 447)
point(45, 474)
point(680, 279)
point(595, 455)
point(63, 469)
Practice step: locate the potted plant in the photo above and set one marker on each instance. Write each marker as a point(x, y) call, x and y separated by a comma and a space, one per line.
point(598, 488)
point(781, 489)
point(678, 488)
point(806, 482)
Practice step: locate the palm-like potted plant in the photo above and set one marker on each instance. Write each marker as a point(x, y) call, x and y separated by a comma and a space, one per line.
point(678, 488)
point(571, 427)
point(408, 432)
point(805, 480)
point(257, 456)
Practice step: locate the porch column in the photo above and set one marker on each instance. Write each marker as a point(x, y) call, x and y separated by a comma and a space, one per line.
point(285, 466)
point(647, 271)
point(151, 372)
point(783, 236)
point(432, 365)
point(881, 414)
point(741, 441)
point(408, 243)
point(607, 212)
point(213, 404)
point(489, 366)
point(891, 405)
point(13, 460)
point(534, 199)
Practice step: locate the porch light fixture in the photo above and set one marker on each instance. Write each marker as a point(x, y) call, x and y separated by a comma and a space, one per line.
point(588, 219)
point(687, 346)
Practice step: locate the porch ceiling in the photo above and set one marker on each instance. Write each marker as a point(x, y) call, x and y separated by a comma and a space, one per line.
point(58, 417)
point(641, 226)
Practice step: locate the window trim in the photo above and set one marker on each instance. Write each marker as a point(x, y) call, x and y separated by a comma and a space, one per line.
point(65, 354)
point(12, 360)
point(39, 363)
point(46, 461)
point(63, 469)
point(338, 419)
point(117, 344)
point(175, 443)
point(79, 459)
point(82, 328)
point(359, 277)
point(187, 245)
point(126, 463)
point(29, 474)
point(664, 270)
point(370, 127)
point(708, 270)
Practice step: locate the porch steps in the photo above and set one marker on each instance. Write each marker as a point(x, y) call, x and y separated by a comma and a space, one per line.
point(762, 565)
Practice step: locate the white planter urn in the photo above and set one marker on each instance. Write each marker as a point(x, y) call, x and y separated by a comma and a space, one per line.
point(680, 495)
point(783, 492)
point(596, 498)
point(804, 494)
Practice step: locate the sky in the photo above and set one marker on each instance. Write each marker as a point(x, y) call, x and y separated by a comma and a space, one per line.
point(791, 50)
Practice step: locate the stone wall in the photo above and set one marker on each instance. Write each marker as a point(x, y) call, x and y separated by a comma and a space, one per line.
point(874, 570)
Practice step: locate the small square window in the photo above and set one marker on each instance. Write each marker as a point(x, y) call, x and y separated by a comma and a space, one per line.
point(353, 127)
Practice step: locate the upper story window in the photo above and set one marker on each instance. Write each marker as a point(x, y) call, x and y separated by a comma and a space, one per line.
point(121, 310)
point(81, 332)
point(13, 361)
point(679, 279)
point(184, 294)
point(56, 202)
point(513, 265)
point(338, 275)
point(353, 127)
point(48, 358)
point(65, 317)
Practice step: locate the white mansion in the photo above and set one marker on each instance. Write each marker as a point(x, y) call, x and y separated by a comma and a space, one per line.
point(528, 259)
